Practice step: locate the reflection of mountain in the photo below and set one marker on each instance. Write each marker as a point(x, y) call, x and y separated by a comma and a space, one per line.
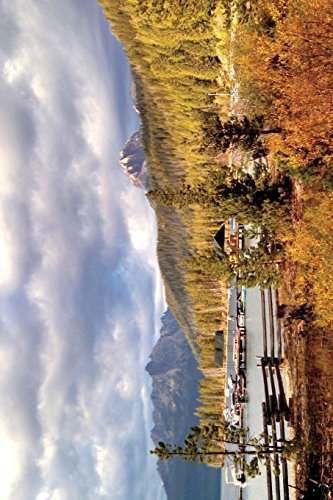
point(132, 159)
point(175, 378)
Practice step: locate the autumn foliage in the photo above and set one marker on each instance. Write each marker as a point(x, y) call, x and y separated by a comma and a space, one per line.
point(289, 63)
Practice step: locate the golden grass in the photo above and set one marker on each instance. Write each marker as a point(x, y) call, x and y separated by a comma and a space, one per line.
point(311, 248)
point(309, 346)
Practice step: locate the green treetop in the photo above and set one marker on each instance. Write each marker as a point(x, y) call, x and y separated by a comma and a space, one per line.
point(221, 441)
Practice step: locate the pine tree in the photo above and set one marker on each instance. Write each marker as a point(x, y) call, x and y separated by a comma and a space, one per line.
point(212, 440)
point(242, 132)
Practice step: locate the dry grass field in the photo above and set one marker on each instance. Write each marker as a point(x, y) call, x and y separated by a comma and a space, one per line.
point(309, 344)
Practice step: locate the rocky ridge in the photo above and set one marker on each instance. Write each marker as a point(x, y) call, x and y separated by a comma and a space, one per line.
point(133, 162)
point(175, 378)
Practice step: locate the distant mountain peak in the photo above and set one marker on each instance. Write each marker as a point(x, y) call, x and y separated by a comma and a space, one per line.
point(133, 162)
point(175, 377)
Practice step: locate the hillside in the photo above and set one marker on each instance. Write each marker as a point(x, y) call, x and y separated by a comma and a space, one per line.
point(175, 68)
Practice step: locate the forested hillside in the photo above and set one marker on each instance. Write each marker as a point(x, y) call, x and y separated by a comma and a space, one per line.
point(180, 61)
point(172, 51)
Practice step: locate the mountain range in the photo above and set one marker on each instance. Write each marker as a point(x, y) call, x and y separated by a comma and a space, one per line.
point(175, 378)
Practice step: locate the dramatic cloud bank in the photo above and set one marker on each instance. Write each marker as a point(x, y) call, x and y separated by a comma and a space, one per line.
point(80, 293)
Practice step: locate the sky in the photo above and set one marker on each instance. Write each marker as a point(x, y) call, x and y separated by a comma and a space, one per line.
point(80, 291)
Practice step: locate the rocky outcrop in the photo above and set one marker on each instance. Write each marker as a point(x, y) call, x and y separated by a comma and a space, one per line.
point(132, 160)
point(175, 378)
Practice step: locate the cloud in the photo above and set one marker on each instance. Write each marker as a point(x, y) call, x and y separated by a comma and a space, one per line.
point(80, 292)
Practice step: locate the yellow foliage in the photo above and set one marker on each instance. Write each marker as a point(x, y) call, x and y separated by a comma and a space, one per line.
point(311, 249)
point(292, 72)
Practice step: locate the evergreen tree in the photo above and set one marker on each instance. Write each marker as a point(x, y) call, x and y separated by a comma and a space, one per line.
point(242, 132)
point(248, 201)
point(212, 441)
